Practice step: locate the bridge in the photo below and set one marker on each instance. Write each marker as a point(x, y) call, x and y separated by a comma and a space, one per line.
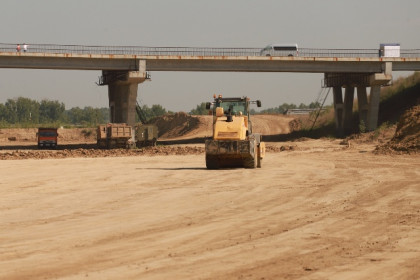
point(124, 67)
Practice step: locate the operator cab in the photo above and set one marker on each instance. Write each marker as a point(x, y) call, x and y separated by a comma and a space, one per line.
point(231, 106)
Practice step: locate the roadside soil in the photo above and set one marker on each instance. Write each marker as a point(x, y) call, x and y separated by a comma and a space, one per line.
point(317, 209)
point(187, 131)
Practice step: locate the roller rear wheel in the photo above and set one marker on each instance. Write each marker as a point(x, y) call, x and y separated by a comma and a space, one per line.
point(212, 162)
point(251, 161)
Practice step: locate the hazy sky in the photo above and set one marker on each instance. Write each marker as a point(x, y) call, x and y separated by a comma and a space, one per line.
point(197, 23)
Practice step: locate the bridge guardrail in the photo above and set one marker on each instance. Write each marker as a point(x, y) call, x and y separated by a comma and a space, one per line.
point(195, 51)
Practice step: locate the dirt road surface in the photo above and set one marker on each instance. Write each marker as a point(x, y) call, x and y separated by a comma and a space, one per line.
point(320, 211)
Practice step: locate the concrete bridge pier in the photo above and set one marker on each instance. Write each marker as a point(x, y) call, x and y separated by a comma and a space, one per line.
point(368, 107)
point(122, 102)
point(363, 105)
point(122, 93)
point(343, 109)
point(373, 109)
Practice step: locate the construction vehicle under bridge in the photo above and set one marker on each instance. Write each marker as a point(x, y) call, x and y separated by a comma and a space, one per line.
point(121, 135)
point(115, 135)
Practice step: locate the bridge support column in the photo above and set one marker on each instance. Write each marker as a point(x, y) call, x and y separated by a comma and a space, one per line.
point(368, 110)
point(348, 110)
point(373, 111)
point(122, 102)
point(338, 109)
point(343, 110)
point(122, 93)
point(363, 105)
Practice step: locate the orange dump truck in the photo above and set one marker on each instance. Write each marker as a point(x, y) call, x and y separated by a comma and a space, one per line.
point(47, 137)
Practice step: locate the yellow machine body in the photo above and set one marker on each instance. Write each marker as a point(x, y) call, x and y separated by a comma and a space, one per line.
point(233, 144)
point(234, 130)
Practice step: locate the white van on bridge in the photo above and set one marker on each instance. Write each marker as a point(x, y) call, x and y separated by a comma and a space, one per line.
point(280, 50)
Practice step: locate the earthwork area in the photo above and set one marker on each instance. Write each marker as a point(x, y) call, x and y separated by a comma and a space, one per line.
point(317, 209)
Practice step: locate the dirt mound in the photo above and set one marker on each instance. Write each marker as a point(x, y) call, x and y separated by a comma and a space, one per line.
point(65, 135)
point(77, 134)
point(179, 126)
point(294, 125)
point(407, 134)
point(95, 153)
point(22, 134)
point(171, 126)
point(272, 124)
point(184, 126)
point(81, 142)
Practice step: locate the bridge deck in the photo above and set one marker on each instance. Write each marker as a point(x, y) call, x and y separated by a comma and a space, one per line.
point(228, 63)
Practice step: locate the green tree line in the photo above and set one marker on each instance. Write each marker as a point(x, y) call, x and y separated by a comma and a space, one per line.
point(25, 112)
point(281, 109)
point(154, 111)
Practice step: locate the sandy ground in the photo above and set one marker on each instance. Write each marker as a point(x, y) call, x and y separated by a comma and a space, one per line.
point(320, 211)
